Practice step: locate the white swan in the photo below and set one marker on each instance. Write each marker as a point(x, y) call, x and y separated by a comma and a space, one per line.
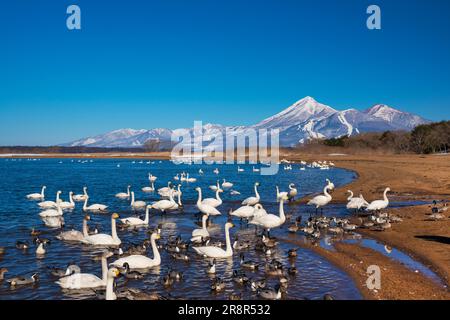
point(292, 191)
point(140, 261)
point(134, 221)
point(216, 171)
point(198, 235)
point(243, 212)
point(37, 196)
point(103, 239)
point(68, 205)
point(251, 201)
point(149, 189)
point(81, 197)
point(321, 200)
point(270, 221)
point(177, 205)
point(379, 204)
point(188, 179)
point(75, 235)
point(50, 204)
point(137, 204)
point(280, 195)
point(255, 170)
point(239, 169)
point(164, 205)
point(94, 207)
point(49, 213)
point(216, 252)
point(215, 187)
point(111, 275)
point(152, 178)
point(213, 202)
point(330, 184)
point(124, 195)
point(164, 192)
point(204, 208)
point(356, 202)
point(80, 281)
point(226, 184)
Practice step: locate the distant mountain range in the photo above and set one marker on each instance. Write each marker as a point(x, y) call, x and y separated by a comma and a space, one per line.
point(306, 119)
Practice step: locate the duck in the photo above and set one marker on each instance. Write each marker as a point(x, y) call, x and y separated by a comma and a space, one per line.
point(94, 207)
point(137, 204)
point(213, 202)
point(2, 251)
point(102, 239)
point(292, 192)
point(293, 228)
point(176, 275)
point(247, 264)
point(321, 200)
point(378, 205)
point(216, 252)
point(37, 196)
point(124, 195)
point(270, 221)
point(135, 221)
point(270, 294)
point(204, 208)
point(75, 235)
point(211, 267)
point(226, 184)
point(140, 261)
point(50, 204)
point(22, 245)
point(75, 280)
point(240, 277)
point(199, 234)
point(81, 197)
point(217, 285)
point(251, 201)
point(292, 253)
point(22, 281)
point(129, 274)
point(180, 256)
point(255, 285)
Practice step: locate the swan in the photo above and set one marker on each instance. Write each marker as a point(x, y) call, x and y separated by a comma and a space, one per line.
point(149, 189)
point(190, 179)
point(204, 208)
point(280, 195)
point(49, 213)
point(379, 204)
point(81, 197)
point(80, 281)
point(292, 191)
point(243, 212)
point(330, 184)
point(164, 205)
point(152, 178)
point(216, 252)
point(75, 235)
point(177, 205)
point(164, 192)
point(50, 204)
point(251, 201)
point(270, 221)
point(177, 177)
point(123, 195)
point(54, 222)
point(321, 200)
point(137, 204)
point(356, 202)
point(93, 207)
point(215, 187)
point(134, 221)
point(140, 261)
point(198, 235)
point(216, 171)
point(68, 205)
point(214, 202)
point(239, 169)
point(255, 170)
point(226, 184)
point(37, 196)
point(103, 239)
point(200, 171)
point(111, 275)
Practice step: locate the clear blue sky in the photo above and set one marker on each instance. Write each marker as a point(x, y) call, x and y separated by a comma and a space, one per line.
point(166, 63)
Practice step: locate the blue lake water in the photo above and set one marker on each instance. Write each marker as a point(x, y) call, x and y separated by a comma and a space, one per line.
point(104, 179)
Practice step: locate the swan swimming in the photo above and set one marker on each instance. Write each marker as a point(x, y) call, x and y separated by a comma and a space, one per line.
point(251, 201)
point(50, 204)
point(94, 207)
point(137, 204)
point(216, 252)
point(198, 235)
point(205, 208)
point(134, 221)
point(81, 197)
point(102, 239)
point(124, 195)
point(37, 196)
point(75, 235)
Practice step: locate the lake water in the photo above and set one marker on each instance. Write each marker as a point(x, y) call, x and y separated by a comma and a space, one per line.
point(105, 178)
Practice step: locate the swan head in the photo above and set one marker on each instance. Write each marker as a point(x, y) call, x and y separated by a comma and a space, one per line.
point(44, 187)
point(115, 216)
point(107, 254)
point(155, 236)
point(257, 184)
point(387, 189)
point(284, 197)
point(229, 225)
point(113, 273)
point(198, 189)
point(59, 192)
point(87, 217)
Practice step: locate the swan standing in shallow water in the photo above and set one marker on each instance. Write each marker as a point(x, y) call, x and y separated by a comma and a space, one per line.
point(140, 261)
point(80, 281)
point(134, 221)
point(50, 204)
point(213, 202)
point(102, 239)
point(243, 212)
point(251, 201)
point(356, 202)
point(137, 204)
point(379, 204)
point(205, 208)
point(216, 252)
point(270, 221)
point(93, 207)
point(198, 235)
point(124, 195)
point(81, 197)
point(292, 192)
point(75, 235)
point(164, 205)
point(321, 200)
point(37, 196)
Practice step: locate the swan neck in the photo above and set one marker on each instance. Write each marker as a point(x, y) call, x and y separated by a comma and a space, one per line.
point(385, 195)
point(156, 256)
point(282, 216)
point(85, 228)
point(256, 191)
point(104, 270)
point(199, 201)
point(132, 198)
point(147, 212)
point(228, 242)
point(113, 229)
point(351, 195)
point(110, 295)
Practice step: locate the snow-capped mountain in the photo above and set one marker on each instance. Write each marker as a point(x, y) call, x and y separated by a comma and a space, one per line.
point(306, 119)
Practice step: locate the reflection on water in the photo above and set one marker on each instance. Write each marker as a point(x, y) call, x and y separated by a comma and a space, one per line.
point(104, 179)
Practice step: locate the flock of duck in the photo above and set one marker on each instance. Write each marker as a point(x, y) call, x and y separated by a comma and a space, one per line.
point(134, 262)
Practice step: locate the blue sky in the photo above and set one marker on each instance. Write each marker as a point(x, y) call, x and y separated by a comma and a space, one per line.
point(166, 63)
